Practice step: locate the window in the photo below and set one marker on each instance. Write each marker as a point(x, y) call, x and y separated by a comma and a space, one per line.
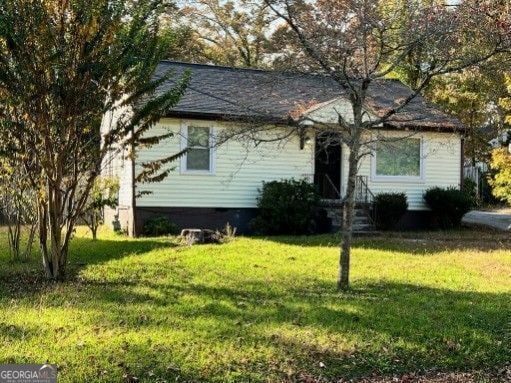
point(398, 159)
point(199, 156)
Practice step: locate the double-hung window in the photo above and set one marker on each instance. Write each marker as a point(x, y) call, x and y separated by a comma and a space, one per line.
point(399, 159)
point(199, 157)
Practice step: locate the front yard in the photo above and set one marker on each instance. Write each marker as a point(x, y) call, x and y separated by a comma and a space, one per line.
point(263, 309)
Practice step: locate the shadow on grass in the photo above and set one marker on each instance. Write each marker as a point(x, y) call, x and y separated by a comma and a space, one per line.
point(376, 328)
point(395, 327)
point(430, 242)
point(87, 251)
point(28, 278)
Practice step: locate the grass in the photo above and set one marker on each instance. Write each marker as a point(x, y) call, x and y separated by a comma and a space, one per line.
point(257, 310)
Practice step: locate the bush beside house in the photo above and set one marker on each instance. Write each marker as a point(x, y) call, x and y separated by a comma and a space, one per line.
point(470, 189)
point(389, 208)
point(286, 207)
point(448, 205)
point(159, 226)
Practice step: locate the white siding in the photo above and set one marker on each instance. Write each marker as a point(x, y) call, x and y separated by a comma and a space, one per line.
point(328, 112)
point(239, 170)
point(441, 161)
point(117, 164)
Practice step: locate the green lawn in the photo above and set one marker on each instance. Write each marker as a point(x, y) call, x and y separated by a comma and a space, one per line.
point(257, 310)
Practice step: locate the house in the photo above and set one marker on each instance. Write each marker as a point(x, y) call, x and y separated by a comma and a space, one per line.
point(216, 183)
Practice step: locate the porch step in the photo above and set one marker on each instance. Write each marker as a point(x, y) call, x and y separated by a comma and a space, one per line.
point(362, 222)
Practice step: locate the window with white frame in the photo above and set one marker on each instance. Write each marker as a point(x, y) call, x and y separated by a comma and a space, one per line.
point(401, 158)
point(199, 155)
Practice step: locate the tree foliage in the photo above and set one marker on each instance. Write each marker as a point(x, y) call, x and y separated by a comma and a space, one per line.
point(505, 101)
point(501, 180)
point(17, 209)
point(474, 96)
point(234, 33)
point(104, 193)
point(63, 65)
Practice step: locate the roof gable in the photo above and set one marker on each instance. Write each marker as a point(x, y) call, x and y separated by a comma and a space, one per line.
point(328, 112)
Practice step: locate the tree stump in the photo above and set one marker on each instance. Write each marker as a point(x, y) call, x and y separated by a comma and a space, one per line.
point(194, 236)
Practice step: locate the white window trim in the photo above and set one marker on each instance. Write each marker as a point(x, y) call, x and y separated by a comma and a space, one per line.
point(212, 150)
point(408, 179)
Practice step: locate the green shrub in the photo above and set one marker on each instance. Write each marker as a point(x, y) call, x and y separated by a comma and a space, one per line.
point(158, 226)
point(389, 208)
point(470, 189)
point(448, 205)
point(286, 207)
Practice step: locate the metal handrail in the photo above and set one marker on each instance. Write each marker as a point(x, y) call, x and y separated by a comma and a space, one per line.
point(364, 195)
point(362, 191)
point(332, 185)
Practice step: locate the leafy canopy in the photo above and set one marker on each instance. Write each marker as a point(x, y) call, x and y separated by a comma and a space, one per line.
point(66, 67)
point(501, 181)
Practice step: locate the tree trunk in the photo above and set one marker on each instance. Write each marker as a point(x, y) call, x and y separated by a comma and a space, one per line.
point(54, 248)
point(94, 226)
point(30, 240)
point(343, 282)
point(347, 223)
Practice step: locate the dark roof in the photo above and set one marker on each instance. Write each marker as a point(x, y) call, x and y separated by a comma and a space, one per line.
point(218, 92)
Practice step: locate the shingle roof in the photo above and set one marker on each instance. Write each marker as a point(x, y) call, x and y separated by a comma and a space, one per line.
point(218, 92)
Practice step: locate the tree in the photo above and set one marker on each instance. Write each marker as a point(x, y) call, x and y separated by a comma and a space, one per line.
point(17, 208)
point(103, 194)
point(63, 65)
point(501, 181)
point(474, 97)
point(231, 33)
point(358, 42)
point(505, 101)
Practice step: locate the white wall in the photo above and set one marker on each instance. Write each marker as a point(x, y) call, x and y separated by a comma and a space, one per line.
point(240, 169)
point(328, 112)
point(117, 164)
point(441, 167)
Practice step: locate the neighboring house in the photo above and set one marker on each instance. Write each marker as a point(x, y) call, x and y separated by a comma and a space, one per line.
point(218, 183)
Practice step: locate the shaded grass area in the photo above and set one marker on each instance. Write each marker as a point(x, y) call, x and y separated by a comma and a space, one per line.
point(263, 309)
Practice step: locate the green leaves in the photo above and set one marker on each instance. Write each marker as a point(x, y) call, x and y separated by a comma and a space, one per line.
point(501, 181)
point(62, 66)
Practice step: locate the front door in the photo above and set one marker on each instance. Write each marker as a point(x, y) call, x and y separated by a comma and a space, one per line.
point(327, 174)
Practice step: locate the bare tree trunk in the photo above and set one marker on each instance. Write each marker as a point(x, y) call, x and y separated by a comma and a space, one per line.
point(51, 226)
point(30, 241)
point(343, 282)
point(43, 235)
point(14, 229)
point(94, 226)
point(347, 222)
point(14, 225)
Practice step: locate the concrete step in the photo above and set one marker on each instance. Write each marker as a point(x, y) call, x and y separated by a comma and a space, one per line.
point(360, 212)
point(362, 227)
point(366, 233)
point(362, 222)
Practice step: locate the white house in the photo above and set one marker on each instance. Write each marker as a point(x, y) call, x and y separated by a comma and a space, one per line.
point(216, 183)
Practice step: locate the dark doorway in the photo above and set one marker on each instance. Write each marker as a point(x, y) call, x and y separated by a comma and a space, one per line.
point(327, 174)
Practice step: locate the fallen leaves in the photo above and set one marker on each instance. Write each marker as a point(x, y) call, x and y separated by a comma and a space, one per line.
point(499, 376)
